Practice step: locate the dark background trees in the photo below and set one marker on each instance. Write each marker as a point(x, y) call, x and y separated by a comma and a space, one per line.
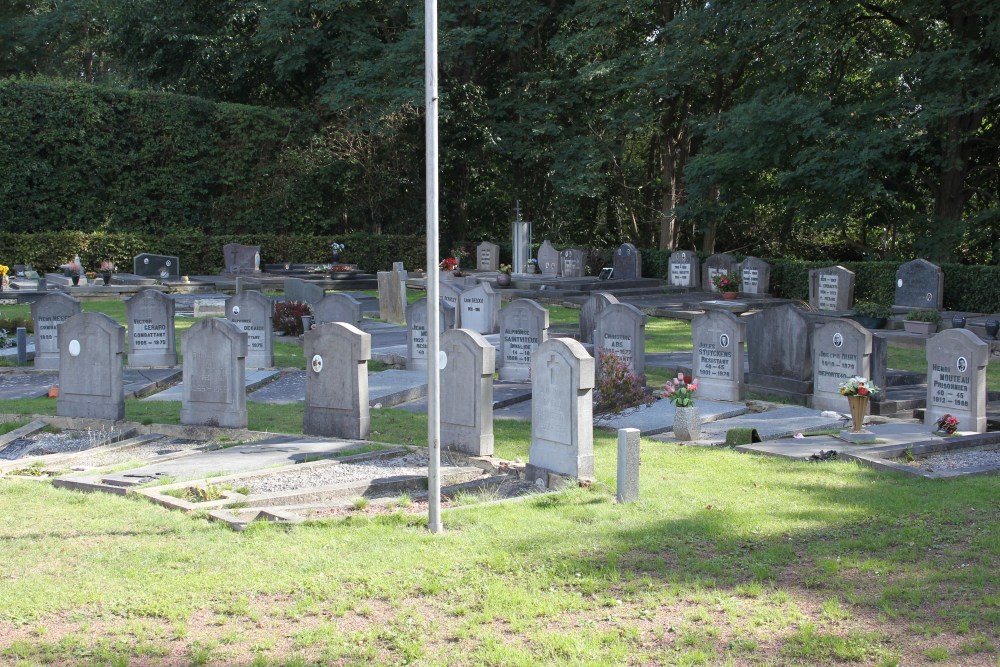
point(776, 127)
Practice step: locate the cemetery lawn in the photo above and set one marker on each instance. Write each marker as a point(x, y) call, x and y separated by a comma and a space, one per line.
point(727, 559)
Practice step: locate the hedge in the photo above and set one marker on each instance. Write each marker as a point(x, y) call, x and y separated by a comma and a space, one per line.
point(201, 254)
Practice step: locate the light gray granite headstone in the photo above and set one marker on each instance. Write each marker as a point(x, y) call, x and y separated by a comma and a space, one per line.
point(336, 405)
point(779, 348)
point(684, 269)
point(594, 304)
point(718, 337)
point(451, 293)
point(831, 288)
point(480, 308)
point(627, 262)
point(621, 328)
point(524, 325)
point(756, 276)
point(841, 350)
point(47, 312)
point(919, 284)
point(716, 265)
point(467, 393)
point(562, 403)
point(548, 260)
point(251, 311)
point(151, 340)
point(392, 296)
point(154, 266)
point(416, 334)
point(487, 256)
point(956, 379)
point(91, 368)
point(241, 258)
point(338, 307)
point(573, 263)
point(214, 374)
point(309, 293)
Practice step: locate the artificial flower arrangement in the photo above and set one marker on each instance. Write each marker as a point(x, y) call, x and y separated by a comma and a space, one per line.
point(449, 264)
point(337, 248)
point(107, 265)
point(506, 268)
point(727, 282)
point(73, 268)
point(947, 424)
point(681, 391)
point(858, 386)
point(4, 270)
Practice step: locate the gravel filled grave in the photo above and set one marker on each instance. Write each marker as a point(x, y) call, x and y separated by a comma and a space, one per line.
point(958, 460)
point(65, 442)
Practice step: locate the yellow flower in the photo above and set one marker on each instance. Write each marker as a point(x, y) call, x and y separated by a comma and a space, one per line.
point(4, 270)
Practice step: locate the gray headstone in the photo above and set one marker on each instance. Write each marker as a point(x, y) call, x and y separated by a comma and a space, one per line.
point(779, 348)
point(22, 346)
point(47, 313)
point(956, 379)
point(524, 325)
point(151, 340)
point(562, 403)
point(573, 263)
point(628, 465)
point(336, 405)
point(627, 262)
point(416, 338)
point(392, 296)
point(251, 311)
point(841, 350)
point(919, 284)
point(487, 256)
point(338, 307)
point(520, 245)
point(451, 293)
point(684, 269)
point(467, 393)
point(879, 363)
point(480, 308)
point(148, 265)
point(91, 370)
point(621, 328)
point(241, 258)
point(756, 276)
point(595, 303)
point(831, 288)
point(714, 266)
point(214, 374)
point(296, 289)
point(548, 260)
point(718, 355)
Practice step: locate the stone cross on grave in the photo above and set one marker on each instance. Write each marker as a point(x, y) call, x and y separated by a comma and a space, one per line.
point(551, 365)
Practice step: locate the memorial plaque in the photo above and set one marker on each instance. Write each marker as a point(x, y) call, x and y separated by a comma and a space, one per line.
point(90, 368)
point(467, 393)
point(241, 259)
point(621, 329)
point(573, 263)
point(589, 312)
point(338, 307)
point(548, 260)
point(214, 375)
point(480, 309)
point(718, 338)
point(336, 404)
point(716, 265)
point(684, 269)
point(919, 284)
point(487, 256)
point(756, 276)
point(627, 262)
point(149, 265)
point(417, 338)
point(779, 350)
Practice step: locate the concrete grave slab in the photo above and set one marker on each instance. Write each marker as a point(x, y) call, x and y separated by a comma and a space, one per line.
point(774, 424)
point(254, 379)
point(659, 417)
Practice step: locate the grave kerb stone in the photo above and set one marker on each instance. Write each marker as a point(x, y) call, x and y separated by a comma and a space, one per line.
point(628, 465)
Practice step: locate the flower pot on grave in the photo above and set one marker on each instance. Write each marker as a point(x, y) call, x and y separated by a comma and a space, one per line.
point(730, 296)
point(503, 280)
point(958, 322)
point(106, 275)
point(992, 327)
point(75, 278)
point(869, 322)
point(687, 423)
point(922, 328)
point(336, 258)
point(859, 408)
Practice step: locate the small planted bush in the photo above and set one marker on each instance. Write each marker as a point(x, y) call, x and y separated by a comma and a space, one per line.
point(287, 317)
point(618, 389)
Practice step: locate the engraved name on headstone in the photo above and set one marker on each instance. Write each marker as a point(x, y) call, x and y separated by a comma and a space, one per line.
point(524, 325)
point(151, 340)
point(251, 311)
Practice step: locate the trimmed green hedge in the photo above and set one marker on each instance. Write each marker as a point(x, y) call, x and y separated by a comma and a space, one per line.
point(201, 254)
point(966, 288)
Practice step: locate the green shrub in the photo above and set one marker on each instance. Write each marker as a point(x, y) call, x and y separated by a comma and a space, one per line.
point(924, 315)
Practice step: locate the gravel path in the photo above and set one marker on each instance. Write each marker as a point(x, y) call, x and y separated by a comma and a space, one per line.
point(957, 460)
point(414, 463)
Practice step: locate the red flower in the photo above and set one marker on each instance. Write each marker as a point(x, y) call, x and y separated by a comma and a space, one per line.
point(862, 391)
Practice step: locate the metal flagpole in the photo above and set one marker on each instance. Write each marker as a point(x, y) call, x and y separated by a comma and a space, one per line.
point(433, 302)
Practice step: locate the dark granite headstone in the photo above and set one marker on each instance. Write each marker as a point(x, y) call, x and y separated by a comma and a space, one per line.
point(627, 262)
point(919, 284)
point(779, 348)
point(148, 265)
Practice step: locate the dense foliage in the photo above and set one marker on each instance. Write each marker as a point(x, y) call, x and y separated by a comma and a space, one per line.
point(805, 128)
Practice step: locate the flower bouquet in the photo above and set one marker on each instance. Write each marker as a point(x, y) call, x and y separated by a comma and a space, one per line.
point(947, 425)
point(728, 283)
point(449, 264)
point(680, 391)
point(858, 386)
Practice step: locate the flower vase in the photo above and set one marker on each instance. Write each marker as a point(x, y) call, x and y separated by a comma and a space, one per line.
point(859, 407)
point(687, 423)
point(75, 278)
point(503, 280)
point(106, 275)
point(730, 296)
point(446, 276)
point(336, 258)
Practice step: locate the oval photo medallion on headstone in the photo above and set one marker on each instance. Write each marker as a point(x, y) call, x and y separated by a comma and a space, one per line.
point(168, 262)
point(899, 283)
point(930, 297)
point(236, 310)
point(74, 348)
point(724, 340)
point(317, 363)
point(145, 260)
point(963, 364)
point(838, 340)
point(442, 359)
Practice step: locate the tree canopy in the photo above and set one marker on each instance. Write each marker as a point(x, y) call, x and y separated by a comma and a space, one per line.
point(808, 128)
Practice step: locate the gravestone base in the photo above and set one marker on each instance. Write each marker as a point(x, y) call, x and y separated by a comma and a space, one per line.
point(335, 423)
point(557, 459)
point(466, 440)
point(152, 360)
point(860, 436)
point(210, 414)
point(544, 478)
point(797, 392)
point(85, 408)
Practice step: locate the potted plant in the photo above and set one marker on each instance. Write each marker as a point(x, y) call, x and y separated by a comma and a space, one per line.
point(924, 321)
point(4, 280)
point(336, 248)
point(107, 267)
point(947, 425)
point(681, 391)
point(871, 315)
point(91, 277)
point(728, 284)
point(858, 391)
point(72, 271)
point(503, 277)
point(533, 266)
